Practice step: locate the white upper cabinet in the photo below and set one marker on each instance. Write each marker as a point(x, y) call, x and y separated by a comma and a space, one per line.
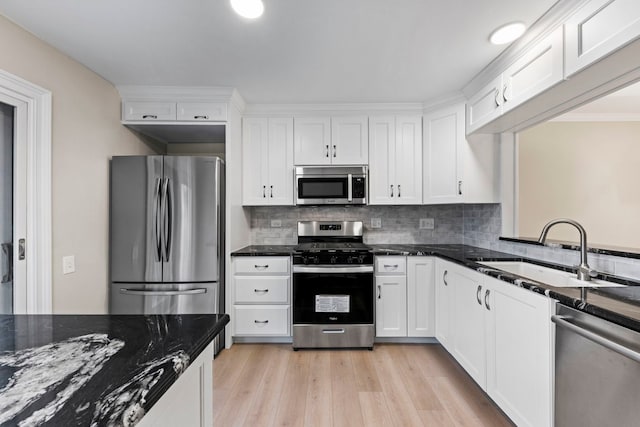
point(599, 28)
point(172, 111)
point(267, 156)
point(331, 140)
point(349, 140)
point(395, 160)
point(537, 70)
point(312, 144)
point(456, 170)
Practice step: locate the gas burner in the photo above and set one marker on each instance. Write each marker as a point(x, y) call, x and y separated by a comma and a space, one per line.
point(331, 243)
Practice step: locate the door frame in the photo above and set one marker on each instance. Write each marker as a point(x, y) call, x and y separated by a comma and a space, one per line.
point(33, 132)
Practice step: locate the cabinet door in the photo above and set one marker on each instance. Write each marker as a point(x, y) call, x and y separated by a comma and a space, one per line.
point(518, 335)
point(597, 29)
point(312, 141)
point(280, 170)
point(444, 138)
point(444, 304)
point(382, 157)
point(391, 306)
point(485, 105)
point(408, 161)
point(148, 111)
point(540, 68)
point(469, 347)
point(350, 140)
point(420, 297)
point(255, 161)
point(202, 111)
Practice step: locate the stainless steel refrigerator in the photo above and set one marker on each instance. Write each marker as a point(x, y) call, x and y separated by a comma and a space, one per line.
point(167, 235)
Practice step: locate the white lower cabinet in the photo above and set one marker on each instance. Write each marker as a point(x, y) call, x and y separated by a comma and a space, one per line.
point(261, 296)
point(404, 296)
point(188, 401)
point(501, 335)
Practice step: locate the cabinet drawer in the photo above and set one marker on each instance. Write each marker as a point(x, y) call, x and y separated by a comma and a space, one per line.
point(262, 320)
point(149, 111)
point(262, 290)
point(202, 111)
point(261, 265)
point(391, 265)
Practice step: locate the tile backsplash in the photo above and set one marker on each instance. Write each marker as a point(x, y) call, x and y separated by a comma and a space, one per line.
point(475, 225)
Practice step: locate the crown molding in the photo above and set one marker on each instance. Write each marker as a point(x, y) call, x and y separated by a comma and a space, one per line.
point(545, 25)
point(443, 101)
point(299, 110)
point(179, 93)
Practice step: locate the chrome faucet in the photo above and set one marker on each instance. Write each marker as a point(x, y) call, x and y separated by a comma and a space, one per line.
point(584, 271)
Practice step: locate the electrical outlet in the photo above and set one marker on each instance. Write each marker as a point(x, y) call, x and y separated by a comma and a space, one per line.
point(276, 223)
point(376, 223)
point(426, 224)
point(68, 264)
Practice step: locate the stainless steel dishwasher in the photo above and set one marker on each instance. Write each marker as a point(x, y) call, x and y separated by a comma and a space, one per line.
point(597, 370)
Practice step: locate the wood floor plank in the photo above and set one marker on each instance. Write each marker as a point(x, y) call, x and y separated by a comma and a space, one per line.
point(419, 388)
point(291, 407)
point(318, 408)
point(264, 405)
point(265, 385)
point(396, 393)
point(366, 375)
point(346, 404)
point(375, 411)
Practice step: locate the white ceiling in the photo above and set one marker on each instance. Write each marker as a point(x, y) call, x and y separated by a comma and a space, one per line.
point(300, 51)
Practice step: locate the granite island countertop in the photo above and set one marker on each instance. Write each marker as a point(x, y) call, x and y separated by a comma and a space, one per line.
point(618, 305)
point(86, 370)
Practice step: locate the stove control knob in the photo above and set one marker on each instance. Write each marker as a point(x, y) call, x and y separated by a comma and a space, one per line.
point(316, 260)
point(361, 259)
point(350, 260)
point(333, 260)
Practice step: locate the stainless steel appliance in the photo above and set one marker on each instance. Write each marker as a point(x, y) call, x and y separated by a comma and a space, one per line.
point(167, 235)
point(331, 185)
point(597, 371)
point(333, 290)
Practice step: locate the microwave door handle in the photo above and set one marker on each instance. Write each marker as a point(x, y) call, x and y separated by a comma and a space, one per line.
point(349, 188)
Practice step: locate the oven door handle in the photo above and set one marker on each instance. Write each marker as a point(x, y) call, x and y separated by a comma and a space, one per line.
point(331, 269)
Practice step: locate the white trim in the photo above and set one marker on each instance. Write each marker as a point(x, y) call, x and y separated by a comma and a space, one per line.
point(38, 144)
point(333, 109)
point(597, 117)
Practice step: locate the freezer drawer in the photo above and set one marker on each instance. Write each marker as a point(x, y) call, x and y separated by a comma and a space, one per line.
point(182, 298)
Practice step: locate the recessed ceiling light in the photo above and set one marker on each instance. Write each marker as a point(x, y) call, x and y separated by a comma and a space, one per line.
point(507, 33)
point(248, 8)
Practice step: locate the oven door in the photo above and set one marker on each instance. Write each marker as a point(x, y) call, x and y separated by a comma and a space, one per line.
point(333, 295)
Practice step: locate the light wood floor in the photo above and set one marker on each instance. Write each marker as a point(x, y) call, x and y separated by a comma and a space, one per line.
point(393, 385)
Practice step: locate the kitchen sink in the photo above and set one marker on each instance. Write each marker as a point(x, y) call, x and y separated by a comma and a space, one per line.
point(547, 276)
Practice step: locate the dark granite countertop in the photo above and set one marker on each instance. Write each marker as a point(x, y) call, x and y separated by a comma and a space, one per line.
point(619, 305)
point(82, 370)
point(265, 250)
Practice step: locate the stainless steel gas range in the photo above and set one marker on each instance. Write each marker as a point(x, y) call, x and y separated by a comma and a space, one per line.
point(333, 289)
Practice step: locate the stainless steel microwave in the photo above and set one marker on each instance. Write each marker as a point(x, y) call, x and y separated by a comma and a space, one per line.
point(331, 185)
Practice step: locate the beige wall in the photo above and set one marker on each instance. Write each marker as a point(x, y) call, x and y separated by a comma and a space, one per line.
point(587, 171)
point(86, 132)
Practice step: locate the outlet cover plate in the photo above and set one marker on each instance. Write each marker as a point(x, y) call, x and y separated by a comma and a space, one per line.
point(276, 223)
point(68, 264)
point(376, 223)
point(426, 224)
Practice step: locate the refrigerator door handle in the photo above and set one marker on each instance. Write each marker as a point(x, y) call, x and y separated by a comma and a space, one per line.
point(157, 215)
point(167, 218)
point(162, 293)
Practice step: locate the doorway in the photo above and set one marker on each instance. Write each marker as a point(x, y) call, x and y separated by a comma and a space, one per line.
point(6, 208)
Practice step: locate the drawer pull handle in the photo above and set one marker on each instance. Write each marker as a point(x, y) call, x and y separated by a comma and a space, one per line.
point(486, 300)
point(444, 277)
point(261, 267)
point(333, 331)
point(478, 292)
point(394, 266)
point(149, 116)
point(379, 292)
point(201, 117)
point(261, 322)
point(261, 290)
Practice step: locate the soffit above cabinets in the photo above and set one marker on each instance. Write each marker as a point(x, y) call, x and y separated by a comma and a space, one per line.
point(176, 133)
